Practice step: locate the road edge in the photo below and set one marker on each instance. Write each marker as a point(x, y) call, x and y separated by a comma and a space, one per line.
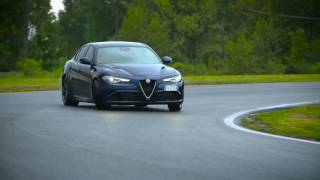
point(233, 120)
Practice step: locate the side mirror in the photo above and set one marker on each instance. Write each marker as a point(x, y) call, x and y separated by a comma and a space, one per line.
point(167, 59)
point(85, 60)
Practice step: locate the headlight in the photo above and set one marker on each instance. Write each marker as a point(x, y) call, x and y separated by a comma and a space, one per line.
point(113, 79)
point(173, 79)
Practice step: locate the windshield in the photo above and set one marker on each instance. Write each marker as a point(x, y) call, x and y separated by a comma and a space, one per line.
point(126, 55)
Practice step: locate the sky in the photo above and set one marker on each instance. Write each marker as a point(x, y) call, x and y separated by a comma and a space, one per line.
point(56, 6)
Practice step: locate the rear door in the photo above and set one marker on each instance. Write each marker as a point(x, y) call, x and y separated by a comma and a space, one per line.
point(77, 78)
point(86, 74)
point(73, 72)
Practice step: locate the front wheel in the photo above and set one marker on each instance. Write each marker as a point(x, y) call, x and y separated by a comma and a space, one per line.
point(175, 107)
point(97, 96)
point(67, 96)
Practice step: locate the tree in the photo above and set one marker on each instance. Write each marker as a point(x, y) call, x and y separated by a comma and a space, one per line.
point(11, 33)
point(45, 42)
point(296, 59)
point(103, 18)
point(72, 23)
point(242, 60)
point(215, 36)
point(138, 26)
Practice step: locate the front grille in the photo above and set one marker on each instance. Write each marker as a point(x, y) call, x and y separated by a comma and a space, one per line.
point(147, 88)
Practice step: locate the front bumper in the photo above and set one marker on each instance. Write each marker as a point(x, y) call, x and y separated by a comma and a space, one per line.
point(131, 93)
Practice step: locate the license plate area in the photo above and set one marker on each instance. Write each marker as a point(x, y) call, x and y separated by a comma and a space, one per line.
point(170, 88)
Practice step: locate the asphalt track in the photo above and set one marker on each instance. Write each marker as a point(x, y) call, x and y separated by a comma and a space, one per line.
point(42, 139)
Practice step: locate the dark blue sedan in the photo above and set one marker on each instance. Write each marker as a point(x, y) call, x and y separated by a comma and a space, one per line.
point(121, 73)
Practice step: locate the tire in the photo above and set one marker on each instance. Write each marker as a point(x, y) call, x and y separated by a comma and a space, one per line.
point(175, 107)
point(97, 96)
point(67, 96)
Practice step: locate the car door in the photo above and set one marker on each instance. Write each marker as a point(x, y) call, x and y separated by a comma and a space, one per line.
point(73, 72)
point(86, 74)
point(77, 76)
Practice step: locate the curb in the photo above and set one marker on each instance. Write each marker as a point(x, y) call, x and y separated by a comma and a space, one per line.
point(233, 120)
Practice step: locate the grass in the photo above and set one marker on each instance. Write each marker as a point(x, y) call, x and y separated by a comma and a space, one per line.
point(300, 122)
point(242, 79)
point(16, 82)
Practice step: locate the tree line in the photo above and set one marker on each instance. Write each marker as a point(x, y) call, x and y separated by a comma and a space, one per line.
point(203, 36)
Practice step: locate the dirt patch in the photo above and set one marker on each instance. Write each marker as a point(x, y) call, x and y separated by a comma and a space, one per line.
point(250, 121)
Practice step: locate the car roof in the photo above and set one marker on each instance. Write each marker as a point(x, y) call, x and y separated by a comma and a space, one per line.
point(116, 43)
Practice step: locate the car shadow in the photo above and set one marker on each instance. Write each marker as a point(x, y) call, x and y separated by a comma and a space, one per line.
point(121, 108)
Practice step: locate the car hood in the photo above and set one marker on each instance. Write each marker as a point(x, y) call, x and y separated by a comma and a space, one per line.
point(143, 70)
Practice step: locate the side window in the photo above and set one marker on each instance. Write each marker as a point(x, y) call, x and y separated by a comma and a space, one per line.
point(90, 53)
point(82, 53)
point(75, 57)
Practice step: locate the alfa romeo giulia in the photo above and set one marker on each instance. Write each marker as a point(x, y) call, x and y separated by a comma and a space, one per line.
point(121, 73)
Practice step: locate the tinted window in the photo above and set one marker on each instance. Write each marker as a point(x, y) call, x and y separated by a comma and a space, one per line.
point(82, 53)
point(76, 55)
point(126, 55)
point(90, 53)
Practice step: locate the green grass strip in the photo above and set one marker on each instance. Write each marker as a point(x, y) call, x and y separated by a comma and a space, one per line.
point(299, 122)
point(242, 79)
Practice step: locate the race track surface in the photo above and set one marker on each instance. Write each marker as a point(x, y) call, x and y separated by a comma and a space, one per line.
point(40, 139)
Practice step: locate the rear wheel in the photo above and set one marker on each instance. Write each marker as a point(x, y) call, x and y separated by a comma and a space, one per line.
point(97, 96)
point(67, 96)
point(175, 107)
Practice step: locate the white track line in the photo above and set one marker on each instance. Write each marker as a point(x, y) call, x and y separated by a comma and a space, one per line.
point(233, 120)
